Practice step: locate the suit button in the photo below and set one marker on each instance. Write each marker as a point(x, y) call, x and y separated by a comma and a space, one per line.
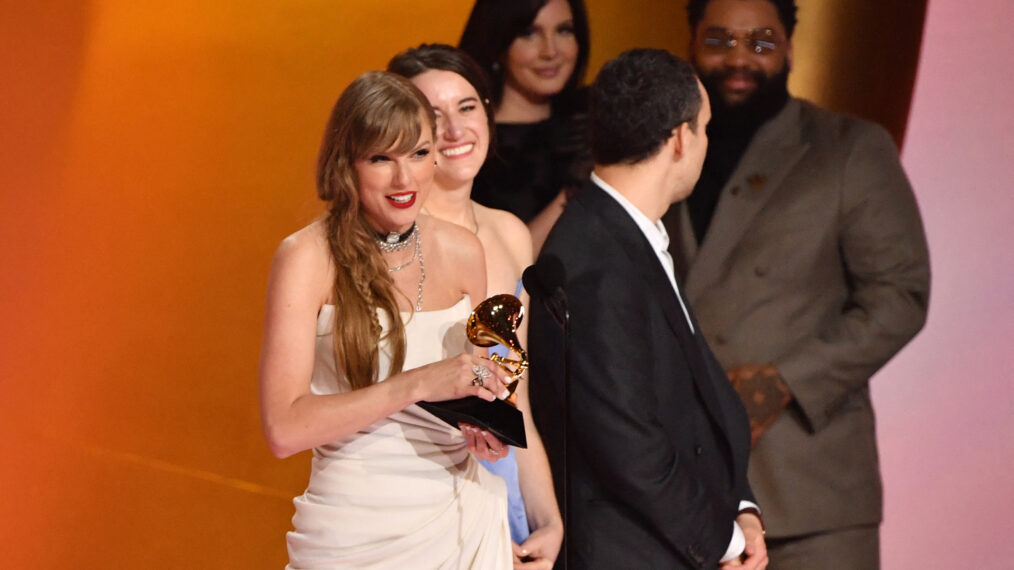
point(734, 190)
point(698, 450)
point(760, 271)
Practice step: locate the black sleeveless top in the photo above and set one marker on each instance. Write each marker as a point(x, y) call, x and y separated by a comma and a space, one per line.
point(533, 162)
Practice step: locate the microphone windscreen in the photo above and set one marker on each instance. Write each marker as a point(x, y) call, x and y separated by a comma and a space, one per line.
point(545, 277)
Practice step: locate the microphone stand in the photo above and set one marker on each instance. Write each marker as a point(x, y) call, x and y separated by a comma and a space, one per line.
point(561, 298)
point(555, 304)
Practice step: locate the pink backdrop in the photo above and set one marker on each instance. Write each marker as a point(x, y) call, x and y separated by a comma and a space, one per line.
point(946, 404)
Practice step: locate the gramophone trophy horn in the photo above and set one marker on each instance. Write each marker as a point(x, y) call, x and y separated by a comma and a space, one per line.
point(496, 321)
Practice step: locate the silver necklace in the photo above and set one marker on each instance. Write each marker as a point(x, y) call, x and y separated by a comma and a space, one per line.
point(422, 269)
point(394, 241)
point(416, 253)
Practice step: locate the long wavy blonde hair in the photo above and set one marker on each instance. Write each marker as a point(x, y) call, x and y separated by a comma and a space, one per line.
point(378, 112)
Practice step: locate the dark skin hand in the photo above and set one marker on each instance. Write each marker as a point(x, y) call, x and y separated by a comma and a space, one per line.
point(765, 395)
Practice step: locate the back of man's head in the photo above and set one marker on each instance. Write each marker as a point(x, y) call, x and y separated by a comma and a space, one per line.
point(636, 102)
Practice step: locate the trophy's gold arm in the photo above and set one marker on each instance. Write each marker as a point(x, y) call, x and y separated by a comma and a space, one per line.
point(519, 366)
point(516, 368)
point(495, 321)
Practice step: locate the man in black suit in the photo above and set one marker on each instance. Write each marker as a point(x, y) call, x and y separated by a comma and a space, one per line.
point(653, 439)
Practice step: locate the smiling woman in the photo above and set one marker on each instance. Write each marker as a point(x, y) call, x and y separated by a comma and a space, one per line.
point(395, 180)
point(539, 63)
point(535, 53)
point(459, 94)
point(359, 329)
point(464, 128)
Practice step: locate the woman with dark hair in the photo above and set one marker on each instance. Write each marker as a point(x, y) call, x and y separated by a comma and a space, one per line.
point(535, 52)
point(365, 317)
point(457, 89)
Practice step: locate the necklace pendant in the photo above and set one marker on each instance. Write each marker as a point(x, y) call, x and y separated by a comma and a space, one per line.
point(393, 241)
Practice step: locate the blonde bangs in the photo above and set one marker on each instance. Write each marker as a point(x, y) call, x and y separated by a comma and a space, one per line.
point(391, 122)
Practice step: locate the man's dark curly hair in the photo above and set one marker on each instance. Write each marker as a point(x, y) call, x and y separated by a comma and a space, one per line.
point(786, 13)
point(636, 102)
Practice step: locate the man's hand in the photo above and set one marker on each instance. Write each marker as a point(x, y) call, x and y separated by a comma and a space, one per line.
point(764, 395)
point(755, 556)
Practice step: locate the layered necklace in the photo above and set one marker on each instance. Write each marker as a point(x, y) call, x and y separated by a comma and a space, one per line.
point(394, 242)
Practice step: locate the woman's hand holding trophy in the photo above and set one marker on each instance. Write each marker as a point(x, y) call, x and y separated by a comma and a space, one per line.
point(496, 321)
point(493, 321)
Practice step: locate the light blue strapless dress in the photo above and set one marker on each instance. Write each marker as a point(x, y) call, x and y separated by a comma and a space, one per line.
point(507, 468)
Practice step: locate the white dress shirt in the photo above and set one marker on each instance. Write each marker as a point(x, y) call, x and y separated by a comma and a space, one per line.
point(656, 235)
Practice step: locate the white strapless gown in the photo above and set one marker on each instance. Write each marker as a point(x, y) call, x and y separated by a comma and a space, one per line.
point(403, 492)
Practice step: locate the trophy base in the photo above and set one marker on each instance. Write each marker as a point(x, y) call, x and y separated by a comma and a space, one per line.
point(502, 419)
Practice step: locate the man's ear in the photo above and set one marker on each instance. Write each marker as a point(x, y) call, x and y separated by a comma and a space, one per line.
point(788, 54)
point(678, 139)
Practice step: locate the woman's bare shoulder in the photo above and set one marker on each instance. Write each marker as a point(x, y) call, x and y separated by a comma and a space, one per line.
point(505, 222)
point(306, 244)
point(303, 259)
point(510, 231)
point(451, 239)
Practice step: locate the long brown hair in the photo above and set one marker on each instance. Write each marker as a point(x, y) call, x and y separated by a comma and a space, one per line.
point(378, 112)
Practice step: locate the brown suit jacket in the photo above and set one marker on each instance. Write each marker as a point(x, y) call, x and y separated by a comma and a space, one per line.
point(815, 261)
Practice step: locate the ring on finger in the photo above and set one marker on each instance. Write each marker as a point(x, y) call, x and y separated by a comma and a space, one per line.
point(477, 381)
point(481, 371)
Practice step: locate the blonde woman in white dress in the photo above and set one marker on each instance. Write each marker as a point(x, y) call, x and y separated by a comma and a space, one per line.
point(365, 317)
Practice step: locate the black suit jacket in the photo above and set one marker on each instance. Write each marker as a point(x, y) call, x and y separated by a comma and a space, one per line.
point(657, 439)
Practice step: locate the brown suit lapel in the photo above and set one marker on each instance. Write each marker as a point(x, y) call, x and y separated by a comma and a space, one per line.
point(772, 153)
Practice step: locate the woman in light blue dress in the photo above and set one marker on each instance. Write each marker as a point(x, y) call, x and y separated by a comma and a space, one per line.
point(459, 94)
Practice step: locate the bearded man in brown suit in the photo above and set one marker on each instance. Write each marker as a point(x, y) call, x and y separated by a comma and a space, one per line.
point(804, 257)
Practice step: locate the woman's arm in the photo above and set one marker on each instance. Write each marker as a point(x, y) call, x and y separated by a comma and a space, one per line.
point(545, 220)
point(294, 419)
point(534, 475)
point(536, 481)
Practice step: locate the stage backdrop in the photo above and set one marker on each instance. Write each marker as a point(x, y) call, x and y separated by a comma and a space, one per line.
point(154, 155)
point(946, 404)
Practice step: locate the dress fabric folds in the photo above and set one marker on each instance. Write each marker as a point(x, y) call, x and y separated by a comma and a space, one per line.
point(403, 492)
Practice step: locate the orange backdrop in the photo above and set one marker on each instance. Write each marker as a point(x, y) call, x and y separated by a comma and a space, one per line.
point(153, 156)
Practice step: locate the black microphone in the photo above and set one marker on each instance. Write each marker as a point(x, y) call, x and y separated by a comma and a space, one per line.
point(544, 281)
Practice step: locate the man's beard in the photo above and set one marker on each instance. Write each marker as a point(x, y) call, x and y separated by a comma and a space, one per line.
point(747, 116)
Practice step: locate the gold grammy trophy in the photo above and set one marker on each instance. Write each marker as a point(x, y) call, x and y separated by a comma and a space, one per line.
point(493, 321)
point(496, 321)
